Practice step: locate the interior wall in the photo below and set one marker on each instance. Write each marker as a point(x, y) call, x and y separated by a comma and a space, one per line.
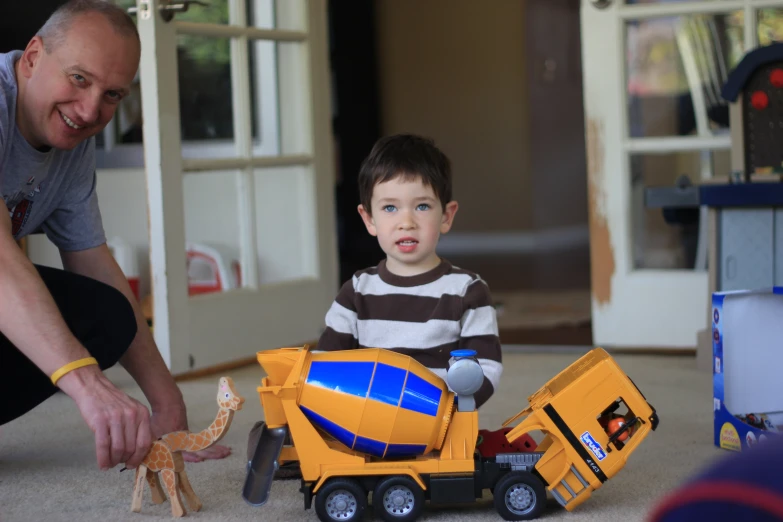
point(558, 160)
point(454, 70)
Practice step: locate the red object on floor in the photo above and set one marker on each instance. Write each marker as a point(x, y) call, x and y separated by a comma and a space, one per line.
point(493, 442)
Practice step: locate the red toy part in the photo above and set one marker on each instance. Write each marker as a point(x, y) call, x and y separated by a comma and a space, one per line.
point(759, 100)
point(491, 443)
point(776, 78)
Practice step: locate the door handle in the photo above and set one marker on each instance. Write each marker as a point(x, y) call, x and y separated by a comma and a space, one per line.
point(167, 10)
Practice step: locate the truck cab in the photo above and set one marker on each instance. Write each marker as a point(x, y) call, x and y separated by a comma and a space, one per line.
point(593, 417)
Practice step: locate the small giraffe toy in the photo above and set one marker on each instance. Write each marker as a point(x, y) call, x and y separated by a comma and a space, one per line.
point(165, 455)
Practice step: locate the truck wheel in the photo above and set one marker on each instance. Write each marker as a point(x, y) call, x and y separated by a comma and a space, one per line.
point(398, 499)
point(340, 499)
point(519, 496)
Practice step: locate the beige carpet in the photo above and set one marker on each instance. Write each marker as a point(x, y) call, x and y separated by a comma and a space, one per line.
point(48, 471)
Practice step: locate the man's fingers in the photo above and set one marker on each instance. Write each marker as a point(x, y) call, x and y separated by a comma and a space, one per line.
point(143, 439)
point(103, 446)
point(131, 424)
point(117, 440)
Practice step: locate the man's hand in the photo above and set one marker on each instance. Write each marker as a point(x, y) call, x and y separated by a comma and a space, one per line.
point(120, 423)
point(215, 452)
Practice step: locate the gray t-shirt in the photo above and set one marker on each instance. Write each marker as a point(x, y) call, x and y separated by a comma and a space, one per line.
point(53, 191)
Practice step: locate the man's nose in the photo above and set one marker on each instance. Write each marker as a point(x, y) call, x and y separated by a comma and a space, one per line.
point(89, 109)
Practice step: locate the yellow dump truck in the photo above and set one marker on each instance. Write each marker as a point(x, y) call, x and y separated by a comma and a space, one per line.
point(375, 421)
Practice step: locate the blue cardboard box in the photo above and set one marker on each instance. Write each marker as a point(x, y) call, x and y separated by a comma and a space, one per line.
point(747, 341)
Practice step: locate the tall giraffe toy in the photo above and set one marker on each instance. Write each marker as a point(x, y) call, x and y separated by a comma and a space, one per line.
point(165, 456)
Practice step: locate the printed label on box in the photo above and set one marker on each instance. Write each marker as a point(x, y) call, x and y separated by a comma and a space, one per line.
point(729, 438)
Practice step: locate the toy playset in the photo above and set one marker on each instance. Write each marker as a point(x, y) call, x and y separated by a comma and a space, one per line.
point(747, 357)
point(754, 91)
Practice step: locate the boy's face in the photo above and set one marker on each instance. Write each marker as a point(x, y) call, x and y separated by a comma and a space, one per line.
point(408, 218)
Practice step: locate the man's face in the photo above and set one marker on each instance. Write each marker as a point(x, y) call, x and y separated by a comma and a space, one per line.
point(72, 93)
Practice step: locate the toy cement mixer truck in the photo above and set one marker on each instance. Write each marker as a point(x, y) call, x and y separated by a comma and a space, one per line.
point(375, 421)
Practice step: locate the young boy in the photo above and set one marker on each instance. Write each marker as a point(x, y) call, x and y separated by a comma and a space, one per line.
point(413, 302)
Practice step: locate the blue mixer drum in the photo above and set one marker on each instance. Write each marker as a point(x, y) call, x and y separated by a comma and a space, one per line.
point(376, 401)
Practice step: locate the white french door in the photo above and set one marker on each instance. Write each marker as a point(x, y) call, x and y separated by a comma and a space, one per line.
point(653, 71)
point(265, 193)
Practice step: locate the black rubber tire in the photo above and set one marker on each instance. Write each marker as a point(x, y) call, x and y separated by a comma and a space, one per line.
point(415, 499)
point(531, 484)
point(326, 513)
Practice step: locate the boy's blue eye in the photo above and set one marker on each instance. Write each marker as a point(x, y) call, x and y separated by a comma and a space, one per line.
point(389, 208)
point(423, 206)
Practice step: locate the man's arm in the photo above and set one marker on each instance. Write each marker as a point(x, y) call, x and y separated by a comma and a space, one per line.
point(30, 319)
point(142, 359)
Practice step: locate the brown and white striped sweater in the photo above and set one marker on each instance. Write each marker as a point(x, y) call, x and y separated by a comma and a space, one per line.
point(425, 316)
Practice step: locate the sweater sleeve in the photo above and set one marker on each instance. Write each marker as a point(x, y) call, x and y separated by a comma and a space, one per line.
point(480, 333)
point(341, 332)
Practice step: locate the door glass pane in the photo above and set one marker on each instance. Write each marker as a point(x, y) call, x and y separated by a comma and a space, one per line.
point(212, 232)
point(665, 235)
point(215, 12)
point(281, 108)
point(278, 14)
point(676, 68)
point(205, 97)
point(287, 224)
point(770, 25)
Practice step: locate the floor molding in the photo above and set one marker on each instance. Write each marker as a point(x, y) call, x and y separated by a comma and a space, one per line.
point(213, 370)
point(225, 367)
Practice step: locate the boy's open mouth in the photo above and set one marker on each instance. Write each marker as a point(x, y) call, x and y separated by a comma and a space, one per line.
point(407, 242)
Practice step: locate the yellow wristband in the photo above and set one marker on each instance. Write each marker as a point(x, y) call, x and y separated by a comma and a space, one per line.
point(56, 376)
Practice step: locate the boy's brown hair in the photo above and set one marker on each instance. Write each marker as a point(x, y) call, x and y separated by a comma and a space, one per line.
point(410, 157)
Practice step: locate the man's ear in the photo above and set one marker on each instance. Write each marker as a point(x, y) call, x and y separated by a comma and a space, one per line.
point(30, 56)
point(448, 216)
point(369, 222)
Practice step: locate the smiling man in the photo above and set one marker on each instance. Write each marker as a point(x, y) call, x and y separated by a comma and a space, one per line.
point(60, 328)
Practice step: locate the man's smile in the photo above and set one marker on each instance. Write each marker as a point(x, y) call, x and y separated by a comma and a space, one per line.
point(70, 122)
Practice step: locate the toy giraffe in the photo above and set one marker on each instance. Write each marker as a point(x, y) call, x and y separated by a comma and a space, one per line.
point(165, 455)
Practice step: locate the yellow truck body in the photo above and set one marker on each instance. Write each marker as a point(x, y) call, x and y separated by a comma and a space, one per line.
point(372, 420)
